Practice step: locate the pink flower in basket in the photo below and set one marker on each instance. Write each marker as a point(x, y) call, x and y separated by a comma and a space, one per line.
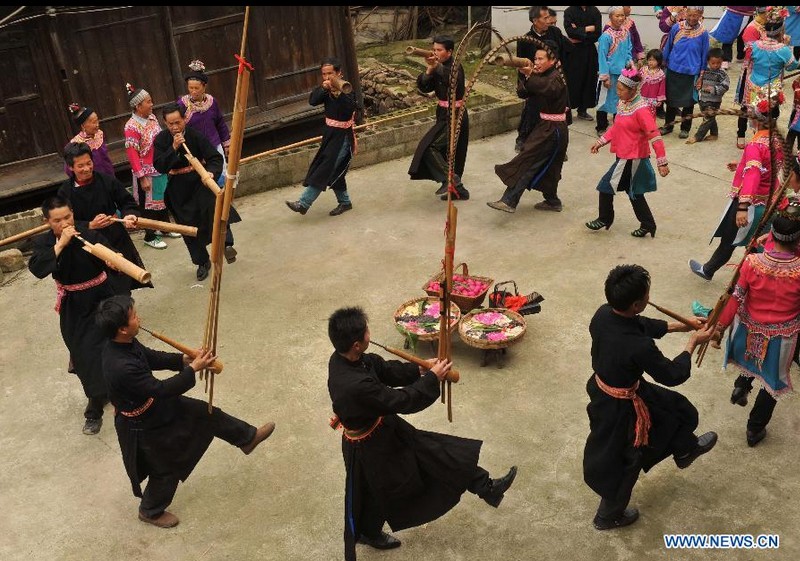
point(496, 336)
point(433, 309)
point(488, 318)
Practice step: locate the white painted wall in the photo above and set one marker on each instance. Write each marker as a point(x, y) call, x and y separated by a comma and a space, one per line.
point(513, 20)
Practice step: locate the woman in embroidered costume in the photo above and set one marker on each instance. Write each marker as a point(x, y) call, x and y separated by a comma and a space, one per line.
point(614, 52)
point(764, 314)
point(753, 32)
point(87, 120)
point(769, 57)
point(748, 196)
point(634, 128)
point(148, 184)
point(669, 16)
point(654, 81)
point(203, 113)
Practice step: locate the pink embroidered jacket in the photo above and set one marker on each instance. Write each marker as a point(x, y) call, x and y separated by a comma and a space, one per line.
point(768, 292)
point(633, 129)
point(139, 135)
point(752, 178)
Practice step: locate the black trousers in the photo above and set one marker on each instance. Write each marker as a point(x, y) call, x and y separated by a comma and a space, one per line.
point(198, 251)
point(725, 249)
point(764, 406)
point(640, 207)
point(94, 407)
point(162, 483)
point(602, 120)
point(612, 508)
point(672, 112)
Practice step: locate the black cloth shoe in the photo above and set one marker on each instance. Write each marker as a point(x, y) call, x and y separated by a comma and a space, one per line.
point(441, 190)
point(627, 518)
point(92, 426)
point(665, 130)
point(739, 396)
point(498, 487)
point(296, 206)
point(585, 116)
point(382, 541)
point(340, 208)
point(754, 438)
point(704, 444)
point(462, 194)
point(230, 254)
point(202, 271)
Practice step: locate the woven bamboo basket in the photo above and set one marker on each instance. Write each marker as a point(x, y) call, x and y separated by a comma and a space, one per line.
point(480, 343)
point(464, 303)
point(455, 317)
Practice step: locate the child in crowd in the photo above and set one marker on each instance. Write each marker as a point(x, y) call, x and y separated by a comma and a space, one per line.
point(712, 85)
point(654, 84)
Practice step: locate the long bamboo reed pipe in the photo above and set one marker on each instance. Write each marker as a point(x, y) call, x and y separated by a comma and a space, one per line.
point(205, 176)
point(116, 260)
point(677, 317)
point(217, 365)
point(24, 235)
point(452, 375)
point(148, 224)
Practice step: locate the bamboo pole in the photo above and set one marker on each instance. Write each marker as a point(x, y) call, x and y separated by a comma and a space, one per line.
point(24, 235)
point(452, 375)
point(512, 61)
point(677, 317)
point(148, 224)
point(217, 365)
point(116, 260)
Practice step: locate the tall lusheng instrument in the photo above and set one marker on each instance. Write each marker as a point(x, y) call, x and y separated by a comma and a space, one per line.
point(148, 224)
point(452, 375)
point(216, 367)
point(341, 85)
point(116, 260)
point(223, 204)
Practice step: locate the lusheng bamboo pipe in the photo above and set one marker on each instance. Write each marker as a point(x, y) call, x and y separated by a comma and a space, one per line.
point(205, 176)
point(342, 85)
point(677, 317)
point(147, 224)
point(24, 235)
point(415, 51)
point(512, 61)
point(216, 367)
point(116, 260)
point(452, 375)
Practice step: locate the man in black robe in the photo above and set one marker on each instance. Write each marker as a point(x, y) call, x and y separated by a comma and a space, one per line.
point(583, 25)
point(162, 433)
point(543, 32)
point(633, 423)
point(538, 165)
point(430, 159)
point(82, 282)
point(189, 201)
point(395, 473)
point(329, 167)
point(96, 198)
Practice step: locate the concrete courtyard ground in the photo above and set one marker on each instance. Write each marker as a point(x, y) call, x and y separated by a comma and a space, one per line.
point(65, 496)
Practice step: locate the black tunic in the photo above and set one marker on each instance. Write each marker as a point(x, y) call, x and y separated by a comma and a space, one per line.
point(439, 82)
point(323, 171)
point(189, 201)
point(106, 195)
point(414, 476)
point(73, 266)
point(582, 67)
point(525, 49)
point(170, 436)
point(539, 163)
point(622, 350)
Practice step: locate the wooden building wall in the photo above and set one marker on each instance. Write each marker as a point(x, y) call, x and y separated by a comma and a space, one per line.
point(48, 62)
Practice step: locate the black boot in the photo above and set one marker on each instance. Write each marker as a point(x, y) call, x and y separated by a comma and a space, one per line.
point(381, 541)
point(461, 194)
point(498, 487)
point(627, 518)
point(704, 444)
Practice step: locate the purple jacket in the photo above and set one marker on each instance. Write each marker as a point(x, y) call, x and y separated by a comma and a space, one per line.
point(206, 118)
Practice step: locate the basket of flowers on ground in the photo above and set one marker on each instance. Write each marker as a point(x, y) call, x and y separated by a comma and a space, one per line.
point(419, 318)
point(491, 328)
point(468, 291)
